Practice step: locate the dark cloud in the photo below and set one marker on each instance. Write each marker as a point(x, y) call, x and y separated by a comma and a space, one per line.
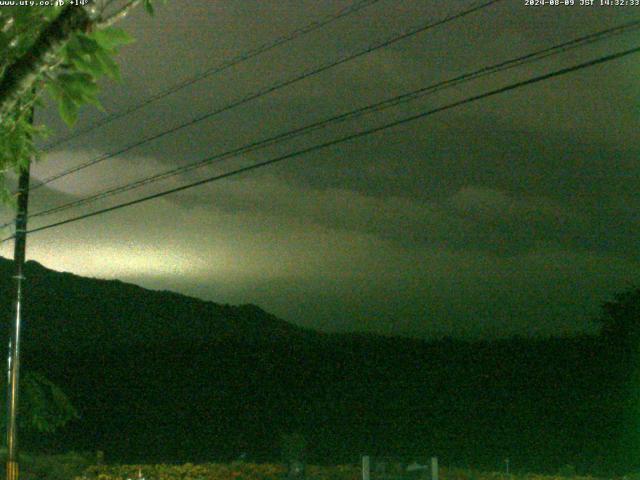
point(516, 214)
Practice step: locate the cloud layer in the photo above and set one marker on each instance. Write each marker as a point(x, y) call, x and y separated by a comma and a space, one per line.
point(514, 215)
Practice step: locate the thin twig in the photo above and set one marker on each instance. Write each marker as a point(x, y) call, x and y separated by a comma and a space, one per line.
point(118, 15)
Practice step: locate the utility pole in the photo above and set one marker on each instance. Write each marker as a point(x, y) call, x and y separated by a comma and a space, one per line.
point(13, 360)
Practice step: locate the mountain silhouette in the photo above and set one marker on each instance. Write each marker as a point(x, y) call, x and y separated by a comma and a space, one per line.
point(65, 311)
point(162, 377)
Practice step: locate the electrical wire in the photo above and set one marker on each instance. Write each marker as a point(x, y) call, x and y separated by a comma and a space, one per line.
point(513, 86)
point(311, 27)
point(394, 101)
point(268, 90)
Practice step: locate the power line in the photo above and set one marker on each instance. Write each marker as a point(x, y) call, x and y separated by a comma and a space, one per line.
point(354, 136)
point(225, 65)
point(268, 90)
point(406, 97)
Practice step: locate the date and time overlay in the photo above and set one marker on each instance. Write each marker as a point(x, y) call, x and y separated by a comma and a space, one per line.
point(526, 3)
point(581, 3)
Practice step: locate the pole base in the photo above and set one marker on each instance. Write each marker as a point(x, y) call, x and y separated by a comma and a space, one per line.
point(12, 470)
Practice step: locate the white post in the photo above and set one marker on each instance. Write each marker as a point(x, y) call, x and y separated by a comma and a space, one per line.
point(366, 467)
point(434, 468)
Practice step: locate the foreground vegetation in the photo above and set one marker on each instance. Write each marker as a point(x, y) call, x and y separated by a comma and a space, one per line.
point(248, 471)
point(542, 403)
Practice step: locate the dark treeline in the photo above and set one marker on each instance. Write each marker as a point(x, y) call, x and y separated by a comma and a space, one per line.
point(160, 377)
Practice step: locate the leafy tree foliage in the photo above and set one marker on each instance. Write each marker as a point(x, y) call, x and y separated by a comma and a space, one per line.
point(44, 407)
point(62, 50)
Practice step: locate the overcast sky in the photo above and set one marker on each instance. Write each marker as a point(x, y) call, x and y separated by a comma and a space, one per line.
point(517, 214)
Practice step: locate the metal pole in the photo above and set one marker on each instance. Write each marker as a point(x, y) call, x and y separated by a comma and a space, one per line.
point(13, 361)
point(366, 467)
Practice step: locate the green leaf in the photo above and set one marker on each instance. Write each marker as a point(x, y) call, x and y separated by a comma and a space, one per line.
point(74, 88)
point(44, 406)
point(71, 82)
point(55, 90)
point(148, 6)
point(87, 44)
point(88, 64)
point(68, 110)
point(6, 197)
point(108, 64)
point(112, 38)
point(80, 87)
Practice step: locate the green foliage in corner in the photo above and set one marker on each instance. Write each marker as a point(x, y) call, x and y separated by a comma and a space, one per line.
point(44, 407)
point(69, 72)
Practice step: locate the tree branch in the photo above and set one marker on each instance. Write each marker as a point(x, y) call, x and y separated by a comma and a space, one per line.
point(19, 78)
point(119, 14)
